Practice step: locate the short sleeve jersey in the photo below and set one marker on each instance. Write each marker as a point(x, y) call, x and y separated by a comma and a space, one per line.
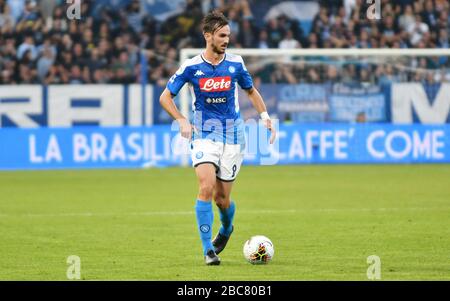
point(214, 90)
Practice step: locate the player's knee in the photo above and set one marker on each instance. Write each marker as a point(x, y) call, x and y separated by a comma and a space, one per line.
point(206, 190)
point(221, 199)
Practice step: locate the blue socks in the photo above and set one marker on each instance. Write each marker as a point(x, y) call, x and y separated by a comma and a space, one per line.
point(226, 217)
point(205, 218)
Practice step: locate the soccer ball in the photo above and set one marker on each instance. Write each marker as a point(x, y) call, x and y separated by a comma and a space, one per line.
point(258, 250)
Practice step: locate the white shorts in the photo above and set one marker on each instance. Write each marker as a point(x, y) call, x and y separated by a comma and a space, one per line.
point(226, 157)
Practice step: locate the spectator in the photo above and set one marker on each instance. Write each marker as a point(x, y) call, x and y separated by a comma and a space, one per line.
point(30, 12)
point(17, 7)
point(288, 41)
point(6, 77)
point(275, 33)
point(105, 44)
point(47, 44)
point(44, 63)
point(388, 30)
point(28, 75)
point(332, 74)
point(122, 69)
point(6, 19)
point(134, 16)
point(313, 41)
point(283, 74)
point(233, 22)
point(417, 30)
point(76, 75)
point(78, 55)
point(247, 34)
point(443, 41)
point(56, 75)
point(407, 18)
point(321, 24)
point(365, 78)
point(429, 15)
point(263, 42)
point(385, 73)
point(27, 45)
point(364, 41)
point(444, 20)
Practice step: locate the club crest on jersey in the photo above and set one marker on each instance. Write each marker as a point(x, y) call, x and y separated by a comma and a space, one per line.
point(215, 84)
point(231, 69)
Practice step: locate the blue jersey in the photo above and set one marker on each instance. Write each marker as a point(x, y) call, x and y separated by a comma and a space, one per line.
point(214, 92)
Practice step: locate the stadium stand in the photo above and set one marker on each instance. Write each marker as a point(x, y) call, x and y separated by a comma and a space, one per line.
point(40, 45)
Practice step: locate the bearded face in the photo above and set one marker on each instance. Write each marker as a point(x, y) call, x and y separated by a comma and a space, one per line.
point(219, 39)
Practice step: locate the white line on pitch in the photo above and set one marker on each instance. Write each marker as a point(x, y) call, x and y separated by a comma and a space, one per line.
point(174, 213)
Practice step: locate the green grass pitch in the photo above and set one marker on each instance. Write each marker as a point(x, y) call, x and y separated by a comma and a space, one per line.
point(324, 222)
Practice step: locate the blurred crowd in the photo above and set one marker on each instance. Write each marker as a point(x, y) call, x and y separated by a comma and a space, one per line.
point(40, 44)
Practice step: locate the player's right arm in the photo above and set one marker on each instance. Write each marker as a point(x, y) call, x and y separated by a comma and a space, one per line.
point(169, 106)
point(174, 85)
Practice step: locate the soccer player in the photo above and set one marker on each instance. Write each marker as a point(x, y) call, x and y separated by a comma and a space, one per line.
point(216, 131)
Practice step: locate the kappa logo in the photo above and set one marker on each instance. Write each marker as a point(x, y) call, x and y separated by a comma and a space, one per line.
point(199, 73)
point(215, 84)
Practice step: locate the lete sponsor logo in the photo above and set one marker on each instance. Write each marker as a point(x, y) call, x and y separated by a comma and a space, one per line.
point(215, 84)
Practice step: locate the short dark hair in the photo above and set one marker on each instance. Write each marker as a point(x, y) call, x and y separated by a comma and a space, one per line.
point(214, 21)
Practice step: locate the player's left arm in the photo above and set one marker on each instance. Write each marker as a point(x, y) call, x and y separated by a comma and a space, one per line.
point(258, 103)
